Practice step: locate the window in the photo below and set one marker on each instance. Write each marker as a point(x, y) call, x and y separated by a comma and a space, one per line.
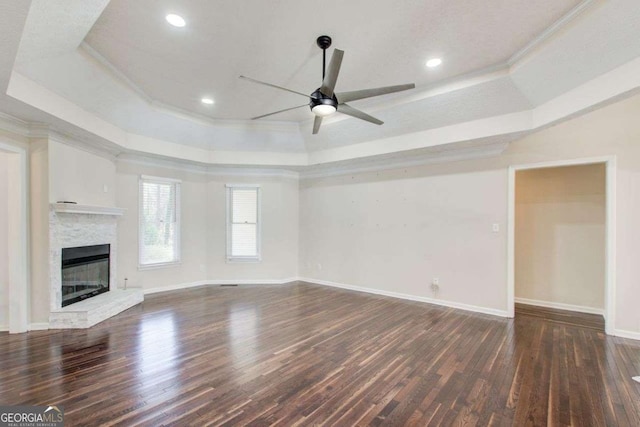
point(243, 223)
point(159, 229)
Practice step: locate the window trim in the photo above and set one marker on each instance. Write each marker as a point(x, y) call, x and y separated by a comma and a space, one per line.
point(160, 180)
point(244, 259)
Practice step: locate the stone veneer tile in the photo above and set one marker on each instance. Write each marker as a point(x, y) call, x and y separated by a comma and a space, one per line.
point(67, 230)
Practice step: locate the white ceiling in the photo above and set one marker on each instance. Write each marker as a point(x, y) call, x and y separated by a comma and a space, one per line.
point(386, 43)
point(114, 73)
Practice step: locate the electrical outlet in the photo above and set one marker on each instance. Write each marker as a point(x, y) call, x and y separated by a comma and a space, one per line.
point(435, 281)
point(495, 228)
point(319, 266)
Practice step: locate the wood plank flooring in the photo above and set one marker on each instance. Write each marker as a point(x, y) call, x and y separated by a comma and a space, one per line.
point(569, 318)
point(301, 354)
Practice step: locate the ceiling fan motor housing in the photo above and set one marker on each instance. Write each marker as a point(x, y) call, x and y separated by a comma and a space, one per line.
point(319, 98)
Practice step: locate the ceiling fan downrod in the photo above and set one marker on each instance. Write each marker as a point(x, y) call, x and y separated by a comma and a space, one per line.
point(323, 43)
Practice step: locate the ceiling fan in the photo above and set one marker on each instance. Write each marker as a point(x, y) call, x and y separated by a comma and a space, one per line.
point(323, 101)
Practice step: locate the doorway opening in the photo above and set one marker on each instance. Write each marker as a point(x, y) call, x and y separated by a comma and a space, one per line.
point(561, 226)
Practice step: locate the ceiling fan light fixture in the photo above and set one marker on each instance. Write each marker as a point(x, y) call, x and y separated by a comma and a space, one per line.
point(323, 110)
point(324, 100)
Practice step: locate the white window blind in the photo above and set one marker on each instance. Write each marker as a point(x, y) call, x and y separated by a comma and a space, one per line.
point(243, 223)
point(159, 240)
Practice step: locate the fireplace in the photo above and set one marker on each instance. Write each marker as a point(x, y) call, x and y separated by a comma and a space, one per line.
point(85, 272)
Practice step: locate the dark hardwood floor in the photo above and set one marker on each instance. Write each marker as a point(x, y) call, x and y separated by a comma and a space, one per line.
point(569, 318)
point(307, 355)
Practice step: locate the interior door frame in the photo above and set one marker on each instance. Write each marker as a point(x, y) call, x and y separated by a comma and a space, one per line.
point(610, 231)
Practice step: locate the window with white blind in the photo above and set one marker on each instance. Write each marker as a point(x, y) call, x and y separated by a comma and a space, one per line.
point(243, 222)
point(159, 229)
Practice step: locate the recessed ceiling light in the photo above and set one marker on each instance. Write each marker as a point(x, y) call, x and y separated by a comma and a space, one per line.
point(175, 20)
point(207, 101)
point(434, 62)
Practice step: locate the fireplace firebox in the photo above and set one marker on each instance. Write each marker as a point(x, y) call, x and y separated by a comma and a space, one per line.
point(85, 272)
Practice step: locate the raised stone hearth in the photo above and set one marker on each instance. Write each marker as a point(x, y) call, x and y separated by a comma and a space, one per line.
point(87, 313)
point(82, 225)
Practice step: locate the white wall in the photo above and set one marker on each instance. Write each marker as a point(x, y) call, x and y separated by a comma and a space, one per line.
point(279, 216)
point(395, 230)
point(390, 230)
point(60, 172)
point(80, 176)
point(560, 235)
point(203, 231)
point(193, 230)
point(4, 236)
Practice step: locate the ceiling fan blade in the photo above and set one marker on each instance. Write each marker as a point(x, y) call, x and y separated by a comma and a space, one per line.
point(277, 112)
point(353, 112)
point(316, 124)
point(272, 85)
point(330, 78)
point(368, 93)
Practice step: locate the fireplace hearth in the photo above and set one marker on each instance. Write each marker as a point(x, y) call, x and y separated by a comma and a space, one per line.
point(85, 272)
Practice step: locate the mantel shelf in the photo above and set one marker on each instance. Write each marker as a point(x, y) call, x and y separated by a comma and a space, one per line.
point(86, 209)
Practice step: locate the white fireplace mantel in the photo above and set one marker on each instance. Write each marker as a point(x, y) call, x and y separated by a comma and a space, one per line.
point(86, 209)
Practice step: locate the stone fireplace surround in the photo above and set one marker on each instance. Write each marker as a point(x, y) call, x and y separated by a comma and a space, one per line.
point(82, 225)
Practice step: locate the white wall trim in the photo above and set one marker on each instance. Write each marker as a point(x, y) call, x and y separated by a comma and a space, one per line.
point(43, 326)
point(444, 303)
point(551, 31)
point(14, 125)
point(610, 227)
point(626, 334)
point(18, 238)
point(612, 85)
point(218, 282)
point(204, 169)
point(405, 159)
point(106, 151)
point(560, 306)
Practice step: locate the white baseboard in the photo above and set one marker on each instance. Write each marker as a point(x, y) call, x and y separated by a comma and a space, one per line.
point(451, 304)
point(560, 306)
point(42, 326)
point(626, 334)
point(218, 282)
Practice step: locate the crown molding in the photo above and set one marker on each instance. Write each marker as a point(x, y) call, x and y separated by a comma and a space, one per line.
point(84, 144)
point(114, 72)
point(550, 32)
point(187, 166)
point(474, 78)
point(36, 130)
point(14, 125)
point(407, 159)
point(119, 76)
point(442, 87)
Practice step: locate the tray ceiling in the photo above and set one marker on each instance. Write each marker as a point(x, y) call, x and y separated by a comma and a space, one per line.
point(115, 74)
